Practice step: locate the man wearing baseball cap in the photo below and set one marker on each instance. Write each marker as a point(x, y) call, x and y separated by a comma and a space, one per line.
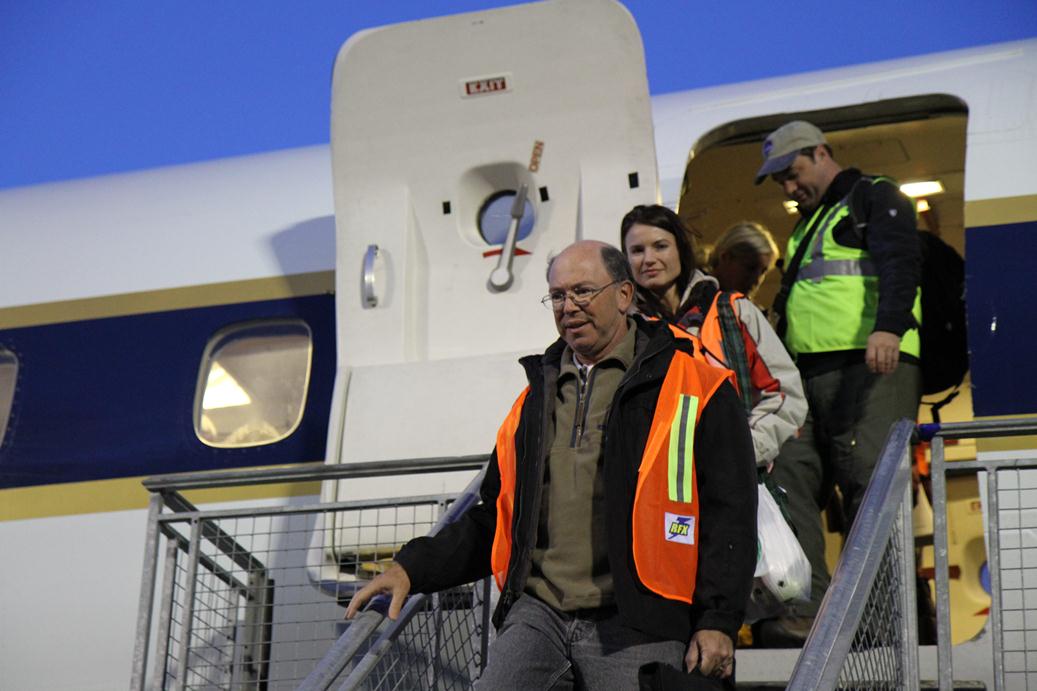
point(848, 311)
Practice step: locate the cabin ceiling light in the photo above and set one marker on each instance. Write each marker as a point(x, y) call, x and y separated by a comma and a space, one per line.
point(923, 205)
point(223, 391)
point(924, 188)
point(790, 207)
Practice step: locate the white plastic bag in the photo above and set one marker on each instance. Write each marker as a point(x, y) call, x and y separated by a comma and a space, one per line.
point(781, 565)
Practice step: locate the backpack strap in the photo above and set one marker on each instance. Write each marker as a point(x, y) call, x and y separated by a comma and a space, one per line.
point(734, 347)
point(859, 207)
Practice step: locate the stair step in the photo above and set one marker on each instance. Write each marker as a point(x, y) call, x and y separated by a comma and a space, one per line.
point(926, 685)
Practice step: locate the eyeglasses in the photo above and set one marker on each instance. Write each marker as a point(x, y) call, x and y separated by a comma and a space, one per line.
point(581, 296)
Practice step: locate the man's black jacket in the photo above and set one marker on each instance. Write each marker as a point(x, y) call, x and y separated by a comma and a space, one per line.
point(726, 476)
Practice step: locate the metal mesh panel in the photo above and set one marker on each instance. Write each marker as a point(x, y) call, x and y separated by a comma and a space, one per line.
point(239, 610)
point(1017, 537)
point(876, 654)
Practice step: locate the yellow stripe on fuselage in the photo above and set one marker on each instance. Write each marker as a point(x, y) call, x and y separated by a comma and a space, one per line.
point(226, 293)
point(1027, 443)
point(123, 494)
point(1002, 211)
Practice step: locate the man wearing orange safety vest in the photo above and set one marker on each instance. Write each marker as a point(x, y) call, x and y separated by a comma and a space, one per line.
point(618, 512)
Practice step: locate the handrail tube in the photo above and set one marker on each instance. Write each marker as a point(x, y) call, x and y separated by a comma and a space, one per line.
point(366, 665)
point(340, 653)
point(168, 519)
point(378, 649)
point(147, 594)
point(941, 560)
point(994, 569)
point(311, 471)
point(909, 594)
point(977, 429)
point(956, 468)
point(352, 640)
point(165, 617)
point(825, 650)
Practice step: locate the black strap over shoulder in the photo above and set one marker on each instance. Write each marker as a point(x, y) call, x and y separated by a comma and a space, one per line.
point(857, 201)
point(788, 278)
point(859, 206)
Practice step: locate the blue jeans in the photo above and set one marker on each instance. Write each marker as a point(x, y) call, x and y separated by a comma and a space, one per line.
point(538, 647)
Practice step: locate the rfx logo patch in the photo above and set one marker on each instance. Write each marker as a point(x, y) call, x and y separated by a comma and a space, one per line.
point(680, 528)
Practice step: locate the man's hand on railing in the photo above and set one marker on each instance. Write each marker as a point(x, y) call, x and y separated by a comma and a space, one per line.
point(394, 582)
point(713, 652)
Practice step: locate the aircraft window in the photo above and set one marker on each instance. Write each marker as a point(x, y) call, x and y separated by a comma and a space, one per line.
point(495, 218)
point(8, 377)
point(252, 383)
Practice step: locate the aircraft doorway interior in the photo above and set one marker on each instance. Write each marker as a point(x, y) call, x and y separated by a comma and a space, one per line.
point(912, 140)
point(917, 139)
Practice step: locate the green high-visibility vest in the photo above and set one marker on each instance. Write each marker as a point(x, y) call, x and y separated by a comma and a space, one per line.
point(833, 303)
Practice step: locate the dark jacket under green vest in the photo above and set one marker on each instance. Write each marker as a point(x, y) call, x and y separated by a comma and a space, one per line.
point(856, 280)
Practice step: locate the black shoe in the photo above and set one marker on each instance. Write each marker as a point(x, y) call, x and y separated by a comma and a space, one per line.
point(783, 632)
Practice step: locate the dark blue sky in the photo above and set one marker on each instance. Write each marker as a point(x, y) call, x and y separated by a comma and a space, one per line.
point(96, 87)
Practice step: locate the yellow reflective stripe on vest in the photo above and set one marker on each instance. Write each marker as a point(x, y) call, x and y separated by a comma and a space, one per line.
point(819, 268)
point(831, 219)
point(682, 446)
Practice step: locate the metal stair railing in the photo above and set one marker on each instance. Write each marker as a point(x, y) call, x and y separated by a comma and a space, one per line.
point(865, 635)
point(1010, 509)
point(227, 587)
point(236, 605)
point(433, 644)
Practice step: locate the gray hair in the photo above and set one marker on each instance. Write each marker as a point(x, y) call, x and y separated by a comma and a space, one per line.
point(616, 264)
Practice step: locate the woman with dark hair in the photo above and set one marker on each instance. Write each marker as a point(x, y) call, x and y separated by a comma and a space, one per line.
point(732, 331)
point(665, 278)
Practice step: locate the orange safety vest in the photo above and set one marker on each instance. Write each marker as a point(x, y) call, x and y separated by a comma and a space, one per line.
point(666, 507)
point(709, 342)
point(711, 334)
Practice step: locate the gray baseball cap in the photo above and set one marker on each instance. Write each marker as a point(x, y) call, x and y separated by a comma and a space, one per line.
point(783, 144)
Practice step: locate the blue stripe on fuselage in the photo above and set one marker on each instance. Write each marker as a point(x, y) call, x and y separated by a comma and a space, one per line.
point(1001, 327)
point(113, 397)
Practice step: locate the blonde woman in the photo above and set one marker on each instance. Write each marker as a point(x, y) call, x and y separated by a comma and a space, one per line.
point(742, 256)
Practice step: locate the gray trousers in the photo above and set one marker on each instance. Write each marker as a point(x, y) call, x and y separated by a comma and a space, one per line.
point(540, 648)
point(851, 411)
